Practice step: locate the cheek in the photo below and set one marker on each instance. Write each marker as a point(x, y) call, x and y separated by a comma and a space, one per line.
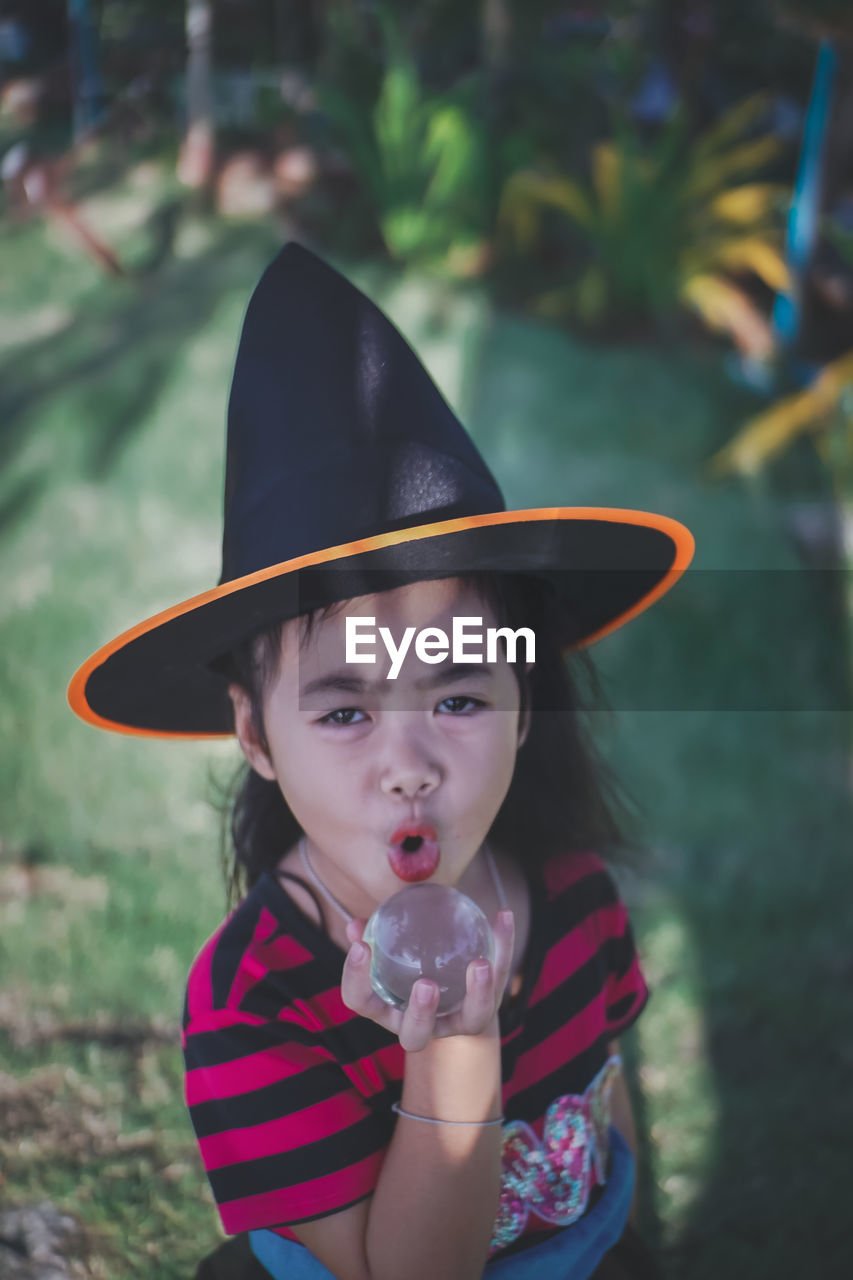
point(308, 769)
point(498, 753)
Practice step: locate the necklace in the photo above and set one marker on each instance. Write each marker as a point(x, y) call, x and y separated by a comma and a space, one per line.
point(330, 897)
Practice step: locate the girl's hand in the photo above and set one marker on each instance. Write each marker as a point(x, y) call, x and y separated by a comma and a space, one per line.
point(418, 1024)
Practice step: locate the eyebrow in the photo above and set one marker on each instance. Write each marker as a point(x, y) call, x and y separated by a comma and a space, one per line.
point(343, 682)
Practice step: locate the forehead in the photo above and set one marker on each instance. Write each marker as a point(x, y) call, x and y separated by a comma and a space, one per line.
point(417, 604)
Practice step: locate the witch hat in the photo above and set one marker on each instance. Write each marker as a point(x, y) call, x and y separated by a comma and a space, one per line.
point(348, 473)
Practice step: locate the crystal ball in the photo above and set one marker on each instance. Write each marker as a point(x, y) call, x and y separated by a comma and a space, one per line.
point(426, 931)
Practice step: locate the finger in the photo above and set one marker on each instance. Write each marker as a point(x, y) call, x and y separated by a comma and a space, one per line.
point(418, 1022)
point(356, 990)
point(355, 929)
point(478, 1005)
point(481, 997)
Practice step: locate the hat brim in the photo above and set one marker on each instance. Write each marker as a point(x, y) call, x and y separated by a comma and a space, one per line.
point(156, 679)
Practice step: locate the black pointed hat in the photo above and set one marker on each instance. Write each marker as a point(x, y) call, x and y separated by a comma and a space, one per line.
point(348, 473)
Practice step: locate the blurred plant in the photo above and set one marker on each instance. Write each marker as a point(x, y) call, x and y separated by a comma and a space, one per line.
point(421, 157)
point(666, 225)
point(819, 18)
point(839, 233)
point(824, 409)
point(770, 432)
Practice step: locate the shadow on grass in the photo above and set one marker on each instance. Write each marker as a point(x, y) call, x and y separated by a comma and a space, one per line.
point(109, 363)
point(733, 701)
point(162, 229)
point(779, 1048)
point(760, 881)
point(20, 498)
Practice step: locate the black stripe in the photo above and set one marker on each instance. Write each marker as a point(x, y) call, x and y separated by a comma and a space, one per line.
point(616, 1012)
point(572, 1077)
point(231, 947)
point(214, 1048)
point(579, 900)
point(280, 987)
point(348, 1043)
point(282, 1098)
point(618, 954)
point(575, 992)
point(303, 1164)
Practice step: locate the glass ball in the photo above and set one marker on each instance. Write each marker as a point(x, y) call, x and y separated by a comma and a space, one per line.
point(426, 931)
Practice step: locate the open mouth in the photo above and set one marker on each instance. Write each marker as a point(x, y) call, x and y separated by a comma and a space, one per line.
point(414, 853)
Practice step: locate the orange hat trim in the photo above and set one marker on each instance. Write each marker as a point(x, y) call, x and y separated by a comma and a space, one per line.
point(681, 536)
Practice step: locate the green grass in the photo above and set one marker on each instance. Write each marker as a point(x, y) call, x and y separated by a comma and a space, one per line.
point(112, 403)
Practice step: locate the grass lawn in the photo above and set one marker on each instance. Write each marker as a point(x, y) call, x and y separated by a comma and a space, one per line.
point(728, 727)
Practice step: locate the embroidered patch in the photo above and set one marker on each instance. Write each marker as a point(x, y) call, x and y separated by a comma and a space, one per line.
point(553, 1176)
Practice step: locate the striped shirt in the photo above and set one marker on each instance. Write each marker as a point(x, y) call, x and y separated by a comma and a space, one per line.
point(290, 1092)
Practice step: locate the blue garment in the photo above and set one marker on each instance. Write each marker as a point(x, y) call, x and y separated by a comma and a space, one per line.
point(571, 1254)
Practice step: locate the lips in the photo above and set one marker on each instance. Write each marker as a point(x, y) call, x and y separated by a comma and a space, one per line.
point(414, 854)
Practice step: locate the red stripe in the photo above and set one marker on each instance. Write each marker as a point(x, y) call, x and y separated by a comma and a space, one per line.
point(327, 1009)
point(567, 869)
point(229, 1079)
point(199, 982)
point(372, 1073)
point(283, 1133)
point(564, 1044)
point(321, 1195)
point(618, 988)
point(262, 957)
point(285, 1233)
point(575, 948)
point(223, 1020)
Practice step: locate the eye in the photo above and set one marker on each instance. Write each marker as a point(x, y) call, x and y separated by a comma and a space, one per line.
point(462, 697)
point(342, 711)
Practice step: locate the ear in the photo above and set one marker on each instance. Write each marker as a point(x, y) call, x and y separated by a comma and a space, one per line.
point(524, 726)
point(247, 735)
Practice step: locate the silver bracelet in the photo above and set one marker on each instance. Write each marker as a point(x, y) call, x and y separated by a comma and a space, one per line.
point(395, 1106)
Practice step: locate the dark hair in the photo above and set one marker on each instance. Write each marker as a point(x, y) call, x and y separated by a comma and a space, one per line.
point(563, 796)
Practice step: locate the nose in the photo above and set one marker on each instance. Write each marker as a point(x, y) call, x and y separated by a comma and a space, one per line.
point(409, 768)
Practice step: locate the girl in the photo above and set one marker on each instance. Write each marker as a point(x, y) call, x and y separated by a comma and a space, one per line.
point(347, 1137)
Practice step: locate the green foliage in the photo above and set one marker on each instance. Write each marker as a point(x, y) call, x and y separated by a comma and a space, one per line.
point(823, 410)
point(664, 222)
point(421, 157)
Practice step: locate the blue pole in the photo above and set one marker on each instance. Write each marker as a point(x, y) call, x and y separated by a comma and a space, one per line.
point(86, 76)
point(804, 215)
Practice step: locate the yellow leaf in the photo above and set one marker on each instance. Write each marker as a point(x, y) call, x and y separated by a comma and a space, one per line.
point(749, 203)
point(754, 254)
point(607, 165)
point(592, 294)
point(731, 124)
point(559, 193)
point(710, 174)
point(768, 433)
point(838, 373)
point(727, 309)
point(518, 214)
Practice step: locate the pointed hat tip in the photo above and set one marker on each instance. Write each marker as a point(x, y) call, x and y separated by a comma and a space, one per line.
point(294, 249)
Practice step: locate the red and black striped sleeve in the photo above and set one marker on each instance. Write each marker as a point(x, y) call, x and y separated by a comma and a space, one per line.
point(283, 1133)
